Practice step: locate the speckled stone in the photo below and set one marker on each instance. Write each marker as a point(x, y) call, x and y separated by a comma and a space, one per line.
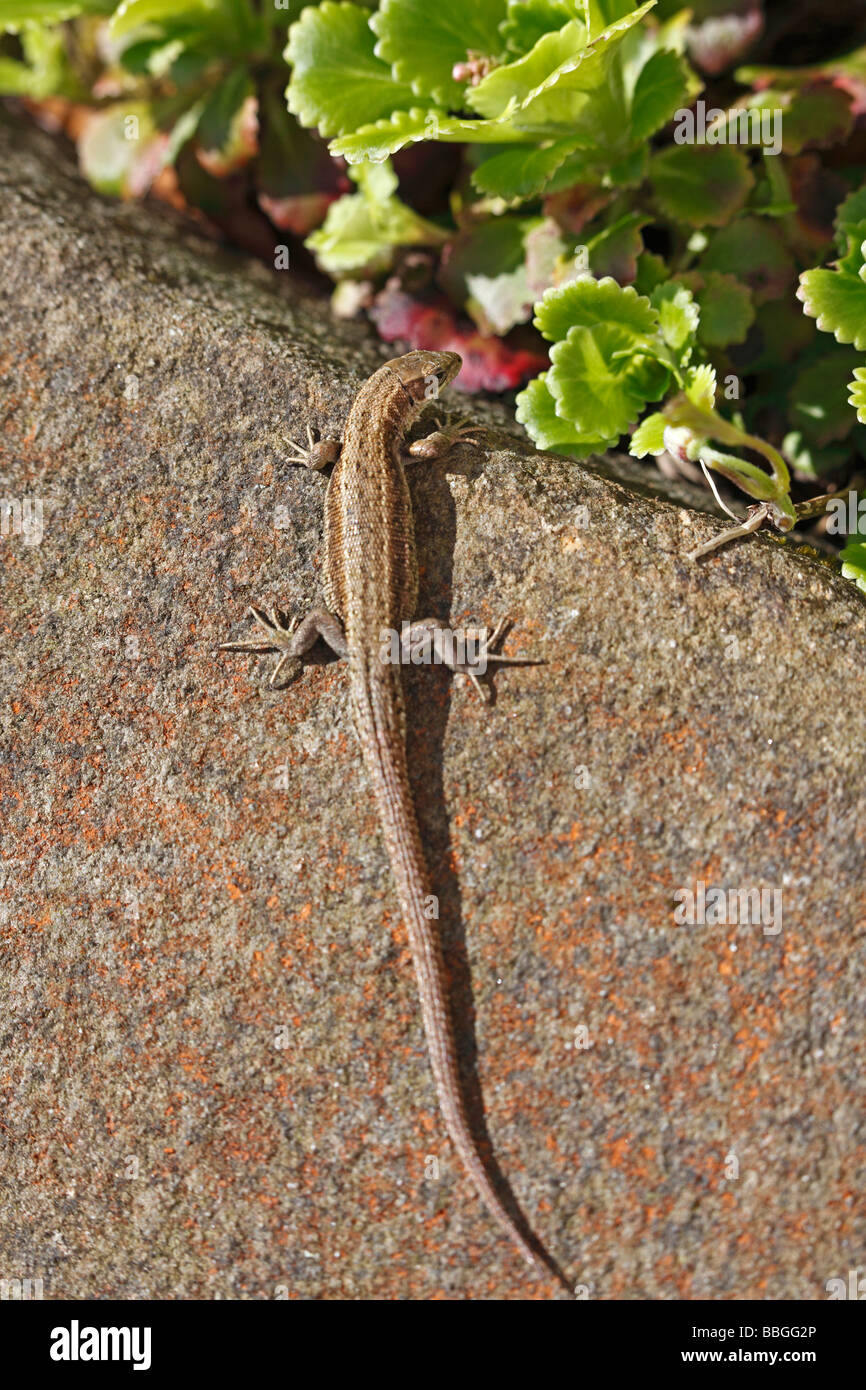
point(214, 1082)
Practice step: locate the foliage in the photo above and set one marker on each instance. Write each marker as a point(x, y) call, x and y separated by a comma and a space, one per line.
point(587, 193)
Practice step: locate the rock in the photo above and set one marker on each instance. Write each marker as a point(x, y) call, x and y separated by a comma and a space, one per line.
point(215, 1081)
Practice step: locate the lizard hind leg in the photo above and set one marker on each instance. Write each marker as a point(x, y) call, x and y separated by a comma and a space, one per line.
point(290, 639)
point(467, 653)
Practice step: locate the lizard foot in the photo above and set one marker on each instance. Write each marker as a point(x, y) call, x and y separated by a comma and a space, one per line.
point(443, 439)
point(316, 455)
point(279, 638)
point(432, 635)
point(491, 642)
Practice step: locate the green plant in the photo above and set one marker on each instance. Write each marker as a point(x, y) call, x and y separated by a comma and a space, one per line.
point(576, 194)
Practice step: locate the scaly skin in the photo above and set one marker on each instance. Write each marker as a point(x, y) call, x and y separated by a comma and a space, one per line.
point(370, 586)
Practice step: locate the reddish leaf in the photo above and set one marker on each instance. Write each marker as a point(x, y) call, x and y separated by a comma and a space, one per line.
point(489, 364)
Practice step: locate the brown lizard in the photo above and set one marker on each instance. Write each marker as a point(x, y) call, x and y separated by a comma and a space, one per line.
point(370, 589)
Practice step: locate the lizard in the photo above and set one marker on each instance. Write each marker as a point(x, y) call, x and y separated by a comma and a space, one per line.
point(370, 585)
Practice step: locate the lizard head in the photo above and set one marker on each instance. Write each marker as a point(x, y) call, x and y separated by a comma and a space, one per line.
point(425, 374)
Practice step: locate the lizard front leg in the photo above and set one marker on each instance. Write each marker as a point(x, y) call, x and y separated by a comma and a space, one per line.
point(292, 640)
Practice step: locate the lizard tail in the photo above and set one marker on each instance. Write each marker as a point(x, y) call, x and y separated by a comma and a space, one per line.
point(385, 760)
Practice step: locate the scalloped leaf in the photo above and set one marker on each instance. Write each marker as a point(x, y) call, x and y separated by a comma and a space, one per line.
point(536, 411)
point(701, 386)
point(515, 83)
point(811, 117)
point(725, 305)
point(422, 42)
point(585, 303)
point(529, 20)
point(337, 82)
point(521, 173)
point(374, 142)
point(649, 437)
point(595, 379)
point(678, 317)
point(551, 86)
point(665, 84)
point(752, 250)
point(837, 301)
point(857, 387)
point(362, 230)
point(701, 185)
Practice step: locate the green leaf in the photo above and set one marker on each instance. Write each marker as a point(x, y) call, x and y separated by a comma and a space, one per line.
point(752, 250)
point(362, 230)
point(649, 437)
point(701, 185)
point(423, 41)
point(584, 94)
point(818, 401)
point(837, 301)
point(850, 214)
point(594, 380)
point(589, 302)
point(664, 85)
point(857, 387)
point(853, 559)
point(536, 411)
point(601, 14)
point(515, 83)
point(551, 88)
point(135, 14)
point(651, 271)
point(726, 309)
point(338, 84)
point(217, 129)
point(113, 143)
point(374, 142)
point(809, 117)
point(44, 72)
point(701, 386)
point(678, 318)
point(520, 173)
point(529, 20)
point(615, 249)
point(16, 13)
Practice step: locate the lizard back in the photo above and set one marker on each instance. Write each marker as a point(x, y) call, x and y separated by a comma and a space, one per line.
point(371, 574)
